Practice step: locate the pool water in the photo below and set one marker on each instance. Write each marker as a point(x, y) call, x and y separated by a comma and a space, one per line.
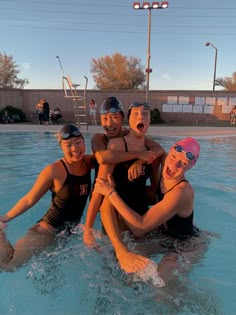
point(72, 279)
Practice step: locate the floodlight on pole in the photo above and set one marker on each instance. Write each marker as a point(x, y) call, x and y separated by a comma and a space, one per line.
point(216, 51)
point(149, 6)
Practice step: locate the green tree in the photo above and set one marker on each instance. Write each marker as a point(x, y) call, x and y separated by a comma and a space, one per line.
point(117, 72)
point(9, 73)
point(228, 83)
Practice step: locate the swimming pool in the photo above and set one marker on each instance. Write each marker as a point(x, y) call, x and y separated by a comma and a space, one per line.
point(72, 279)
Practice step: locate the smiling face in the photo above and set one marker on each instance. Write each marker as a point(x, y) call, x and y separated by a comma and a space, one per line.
point(139, 119)
point(112, 123)
point(176, 164)
point(73, 149)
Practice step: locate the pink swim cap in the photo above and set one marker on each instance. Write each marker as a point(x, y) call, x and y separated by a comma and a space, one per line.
point(190, 145)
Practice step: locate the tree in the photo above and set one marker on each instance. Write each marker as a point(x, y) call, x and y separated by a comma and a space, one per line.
point(229, 83)
point(9, 73)
point(117, 72)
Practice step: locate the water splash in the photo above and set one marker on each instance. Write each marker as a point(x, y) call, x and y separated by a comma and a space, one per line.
point(150, 273)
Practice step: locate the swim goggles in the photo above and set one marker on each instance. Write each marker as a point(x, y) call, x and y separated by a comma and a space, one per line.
point(189, 155)
point(66, 136)
point(110, 110)
point(137, 104)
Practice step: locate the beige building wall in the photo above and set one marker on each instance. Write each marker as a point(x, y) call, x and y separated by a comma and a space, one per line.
point(179, 107)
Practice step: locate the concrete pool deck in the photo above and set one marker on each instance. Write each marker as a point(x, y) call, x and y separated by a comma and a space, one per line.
point(160, 130)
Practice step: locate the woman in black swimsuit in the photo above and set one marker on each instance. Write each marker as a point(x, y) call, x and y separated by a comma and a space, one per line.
point(69, 181)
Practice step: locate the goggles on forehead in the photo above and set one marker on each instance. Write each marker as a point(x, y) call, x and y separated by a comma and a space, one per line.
point(66, 136)
point(138, 104)
point(189, 155)
point(110, 110)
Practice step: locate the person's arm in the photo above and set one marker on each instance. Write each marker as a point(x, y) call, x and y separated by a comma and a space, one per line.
point(94, 207)
point(40, 187)
point(151, 189)
point(155, 147)
point(181, 197)
point(115, 154)
point(98, 143)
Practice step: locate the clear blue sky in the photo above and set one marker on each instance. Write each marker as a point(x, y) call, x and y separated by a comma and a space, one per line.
point(35, 32)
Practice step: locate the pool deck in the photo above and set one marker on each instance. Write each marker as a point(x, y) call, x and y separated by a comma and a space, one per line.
point(162, 130)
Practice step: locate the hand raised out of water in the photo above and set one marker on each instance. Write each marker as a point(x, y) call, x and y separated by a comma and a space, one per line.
point(2, 224)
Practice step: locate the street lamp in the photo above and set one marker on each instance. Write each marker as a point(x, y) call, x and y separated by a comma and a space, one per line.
point(149, 6)
point(216, 50)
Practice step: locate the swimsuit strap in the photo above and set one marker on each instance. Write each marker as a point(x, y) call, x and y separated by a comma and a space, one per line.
point(64, 164)
point(86, 163)
point(67, 171)
point(126, 146)
point(182, 180)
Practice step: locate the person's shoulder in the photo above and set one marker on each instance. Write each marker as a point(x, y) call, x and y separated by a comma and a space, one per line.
point(97, 137)
point(51, 170)
point(54, 165)
point(185, 188)
point(90, 160)
point(116, 140)
point(98, 142)
point(116, 144)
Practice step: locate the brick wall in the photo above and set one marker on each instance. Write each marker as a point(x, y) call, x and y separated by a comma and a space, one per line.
point(177, 107)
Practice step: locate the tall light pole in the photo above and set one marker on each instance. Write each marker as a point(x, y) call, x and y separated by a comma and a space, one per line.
point(216, 51)
point(149, 6)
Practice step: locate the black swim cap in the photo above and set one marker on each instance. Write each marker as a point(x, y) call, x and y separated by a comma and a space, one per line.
point(69, 131)
point(137, 104)
point(111, 105)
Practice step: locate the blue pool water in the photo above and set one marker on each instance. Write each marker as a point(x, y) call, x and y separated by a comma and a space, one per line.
point(72, 279)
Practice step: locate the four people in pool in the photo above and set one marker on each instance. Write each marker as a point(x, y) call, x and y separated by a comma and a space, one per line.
point(174, 212)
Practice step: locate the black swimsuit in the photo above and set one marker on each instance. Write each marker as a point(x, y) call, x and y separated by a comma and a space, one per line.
point(132, 192)
point(177, 226)
point(68, 203)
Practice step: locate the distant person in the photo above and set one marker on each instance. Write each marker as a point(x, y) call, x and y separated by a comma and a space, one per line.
point(51, 114)
point(93, 112)
point(46, 111)
point(54, 115)
point(233, 116)
point(6, 119)
point(57, 114)
point(69, 181)
point(39, 112)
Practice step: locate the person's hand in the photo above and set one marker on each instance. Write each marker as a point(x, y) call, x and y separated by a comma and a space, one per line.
point(89, 238)
point(135, 170)
point(147, 156)
point(4, 218)
point(2, 225)
point(104, 187)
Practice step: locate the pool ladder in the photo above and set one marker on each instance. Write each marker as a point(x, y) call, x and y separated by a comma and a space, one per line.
point(79, 101)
